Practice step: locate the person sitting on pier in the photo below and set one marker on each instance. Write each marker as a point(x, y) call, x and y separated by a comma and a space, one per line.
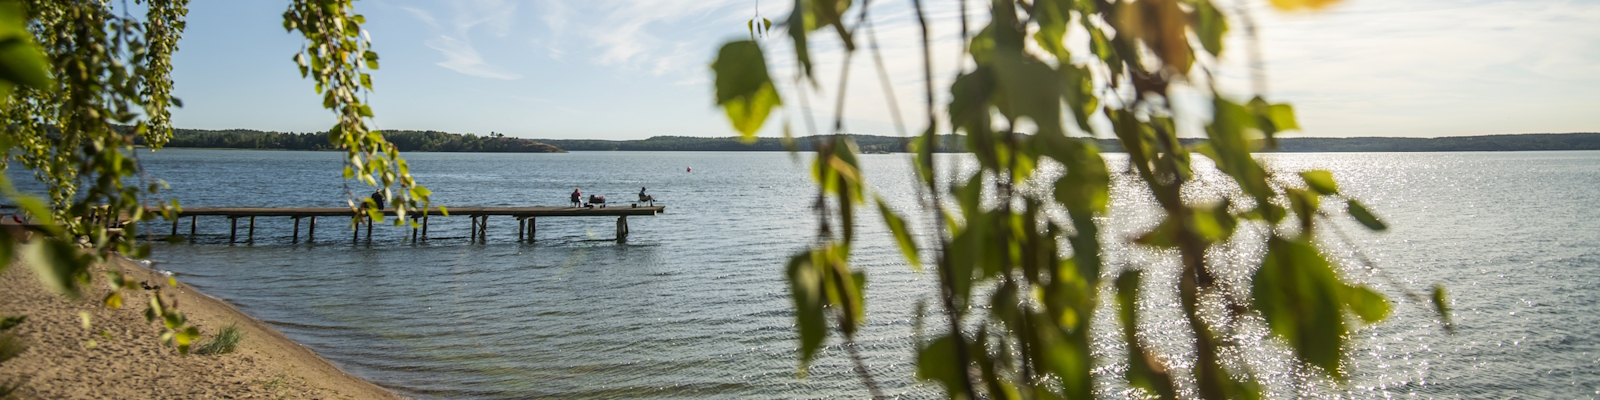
point(377, 199)
point(645, 197)
point(593, 200)
point(576, 197)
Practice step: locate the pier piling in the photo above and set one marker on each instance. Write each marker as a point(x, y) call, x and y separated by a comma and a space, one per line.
point(527, 221)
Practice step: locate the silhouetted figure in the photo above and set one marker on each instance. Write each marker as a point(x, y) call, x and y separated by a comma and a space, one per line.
point(377, 199)
point(576, 197)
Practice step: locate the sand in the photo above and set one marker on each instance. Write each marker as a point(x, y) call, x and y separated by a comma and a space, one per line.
point(60, 363)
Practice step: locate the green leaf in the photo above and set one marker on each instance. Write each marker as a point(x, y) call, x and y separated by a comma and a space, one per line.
point(22, 62)
point(1210, 25)
point(1300, 298)
point(1030, 88)
point(743, 87)
point(902, 234)
point(801, 22)
point(1212, 224)
point(1360, 213)
point(937, 362)
point(1164, 236)
point(1282, 117)
point(1305, 204)
point(1144, 370)
point(1052, 16)
point(1367, 304)
point(1272, 118)
point(1086, 187)
point(1321, 181)
point(858, 300)
point(969, 100)
point(58, 264)
point(805, 284)
point(1078, 90)
point(1441, 305)
point(1232, 150)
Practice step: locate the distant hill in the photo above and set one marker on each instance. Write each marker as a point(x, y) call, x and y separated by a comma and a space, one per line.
point(409, 141)
point(1290, 144)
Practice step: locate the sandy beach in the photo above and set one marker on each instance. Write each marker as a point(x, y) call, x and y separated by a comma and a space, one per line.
point(60, 362)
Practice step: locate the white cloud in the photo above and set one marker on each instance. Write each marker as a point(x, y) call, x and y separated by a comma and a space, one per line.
point(453, 38)
point(1433, 67)
point(657, 37)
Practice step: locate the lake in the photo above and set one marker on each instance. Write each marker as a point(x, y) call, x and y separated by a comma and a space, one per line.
point(694, 304)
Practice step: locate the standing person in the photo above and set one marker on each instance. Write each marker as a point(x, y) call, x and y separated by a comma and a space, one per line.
point(576, 197)
point(377, 199)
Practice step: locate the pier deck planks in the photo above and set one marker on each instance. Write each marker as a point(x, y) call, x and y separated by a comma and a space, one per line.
point(612, 211)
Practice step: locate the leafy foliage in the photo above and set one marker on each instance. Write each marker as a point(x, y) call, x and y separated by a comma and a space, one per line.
point(84, 80)
point(336, 52)
point(1038, 276)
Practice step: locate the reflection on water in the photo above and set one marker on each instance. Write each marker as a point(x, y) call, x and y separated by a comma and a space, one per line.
point(694, 305)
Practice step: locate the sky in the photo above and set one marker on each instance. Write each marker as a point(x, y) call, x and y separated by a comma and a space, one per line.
point(633, 69)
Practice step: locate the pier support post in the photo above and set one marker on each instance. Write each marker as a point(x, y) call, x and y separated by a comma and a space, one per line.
point(424, 224)
point(250, 236)
point(622, 229)
point(413, 230)
point(533, 227)
point(369, 229)
point(296, 238)
point(233, 233)
point(311, 231)
point(355, 231)
point(174, 226)
point(522, 229)
point(483, 230)
point(192, 225)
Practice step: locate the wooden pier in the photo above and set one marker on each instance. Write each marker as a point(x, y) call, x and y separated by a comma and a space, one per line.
point(526, 219)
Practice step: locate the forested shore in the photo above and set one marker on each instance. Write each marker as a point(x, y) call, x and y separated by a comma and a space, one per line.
point(953, 143)
point(434, 141)
point(425, 141)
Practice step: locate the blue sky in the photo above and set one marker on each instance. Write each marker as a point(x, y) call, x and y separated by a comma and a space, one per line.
point(635, 69)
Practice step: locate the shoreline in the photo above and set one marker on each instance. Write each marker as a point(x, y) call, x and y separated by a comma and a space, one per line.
point(64, 360)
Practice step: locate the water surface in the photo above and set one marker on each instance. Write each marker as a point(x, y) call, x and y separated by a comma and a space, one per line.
point(695, 305)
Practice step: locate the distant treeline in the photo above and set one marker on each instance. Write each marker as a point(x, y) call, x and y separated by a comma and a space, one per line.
point(954, 143)
point(405, 140)
point(867, 143)
point(455, 142)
